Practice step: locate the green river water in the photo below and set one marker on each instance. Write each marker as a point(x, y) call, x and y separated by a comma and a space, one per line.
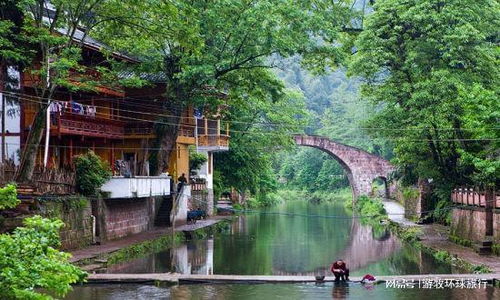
point(274, 243)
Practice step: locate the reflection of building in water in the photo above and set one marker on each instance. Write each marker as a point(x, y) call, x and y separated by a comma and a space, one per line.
point(194, 258)
point(190, 258)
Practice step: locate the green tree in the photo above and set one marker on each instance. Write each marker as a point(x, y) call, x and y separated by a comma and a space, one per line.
point(432, 69)
point(29, 260)
point(91, 173)
point(50, 51)
point(258, 132)
point(200, 44)
point(196, 160)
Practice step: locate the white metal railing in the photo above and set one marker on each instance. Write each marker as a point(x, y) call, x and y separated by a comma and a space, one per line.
point(137, 187)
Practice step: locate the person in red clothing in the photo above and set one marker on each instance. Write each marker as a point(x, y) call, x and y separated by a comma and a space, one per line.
point(340, 270)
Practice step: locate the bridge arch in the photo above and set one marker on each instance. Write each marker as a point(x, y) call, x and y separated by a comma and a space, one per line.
point(361, 167)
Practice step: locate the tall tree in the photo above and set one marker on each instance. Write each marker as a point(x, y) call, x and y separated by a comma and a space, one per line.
point(264, 116)
point(52, 46)
point(433, 67)
point(214, 39)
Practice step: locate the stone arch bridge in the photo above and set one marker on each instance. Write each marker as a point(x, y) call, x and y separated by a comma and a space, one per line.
point(361, 167)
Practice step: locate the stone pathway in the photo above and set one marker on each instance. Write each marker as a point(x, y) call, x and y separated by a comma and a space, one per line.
point(436, 236)
point(114, 245)
point(395, 212)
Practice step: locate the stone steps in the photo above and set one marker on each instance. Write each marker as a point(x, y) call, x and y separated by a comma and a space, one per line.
point(163, 215)
point(484, 247)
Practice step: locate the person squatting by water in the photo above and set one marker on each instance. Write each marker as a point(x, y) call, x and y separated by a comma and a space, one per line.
point(340, 270)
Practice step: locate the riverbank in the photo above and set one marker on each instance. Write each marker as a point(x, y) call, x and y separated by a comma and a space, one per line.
point(98, 256)
point(435, 238)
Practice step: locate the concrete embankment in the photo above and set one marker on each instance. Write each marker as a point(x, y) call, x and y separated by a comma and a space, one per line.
point(109, 247)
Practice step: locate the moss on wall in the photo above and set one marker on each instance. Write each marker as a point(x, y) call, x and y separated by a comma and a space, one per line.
point(75, 212)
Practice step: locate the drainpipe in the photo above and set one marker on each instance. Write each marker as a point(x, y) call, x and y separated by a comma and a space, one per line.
point(93, 228)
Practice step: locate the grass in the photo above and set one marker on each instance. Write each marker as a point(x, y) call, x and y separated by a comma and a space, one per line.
point(371, 209)
point(496, 249)
point(460, 241)
point(145, 248)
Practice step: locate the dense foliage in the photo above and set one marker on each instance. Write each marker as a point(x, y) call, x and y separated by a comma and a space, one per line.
point(91, 173)
point(257, 134)
point(29, 260)
point(433, 69)
point(196, 160)
point(8, 197)
point(223, 45)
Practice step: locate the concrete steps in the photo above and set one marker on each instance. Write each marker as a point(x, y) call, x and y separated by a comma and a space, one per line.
point(224, 207)
point(163, 215)
point(484, 247)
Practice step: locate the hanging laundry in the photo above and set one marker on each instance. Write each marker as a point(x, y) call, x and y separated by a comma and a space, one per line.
point(77, 108)
point(91, 110)
point(55, 107)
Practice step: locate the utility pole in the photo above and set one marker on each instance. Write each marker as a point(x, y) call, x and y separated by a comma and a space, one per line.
point(2, 98)
point(47, 117)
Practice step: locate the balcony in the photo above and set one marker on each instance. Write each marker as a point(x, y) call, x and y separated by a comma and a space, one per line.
point(139, 130)
point(211, 137)
point(120, 187)
point(213, 142)
point(76, 124)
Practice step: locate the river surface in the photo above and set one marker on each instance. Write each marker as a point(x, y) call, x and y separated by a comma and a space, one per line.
point(295, 238)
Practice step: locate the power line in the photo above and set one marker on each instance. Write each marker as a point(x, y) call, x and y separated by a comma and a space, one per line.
point(339, 216)
point(269, 133)
point(290, 125)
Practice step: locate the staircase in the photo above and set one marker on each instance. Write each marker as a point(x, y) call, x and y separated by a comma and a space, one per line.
point(163, 214)
point(26, 193)
point(484, 247)
point(224, 206)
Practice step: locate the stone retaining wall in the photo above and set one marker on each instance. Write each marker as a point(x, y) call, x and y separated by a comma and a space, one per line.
point(469, 223)
point(496, 226)
point(76, 214)
point(122, 217)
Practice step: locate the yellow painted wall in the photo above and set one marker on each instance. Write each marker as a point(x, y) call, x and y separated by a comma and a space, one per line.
point(179, 161)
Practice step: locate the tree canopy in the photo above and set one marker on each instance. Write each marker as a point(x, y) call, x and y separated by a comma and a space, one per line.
point(432, 66)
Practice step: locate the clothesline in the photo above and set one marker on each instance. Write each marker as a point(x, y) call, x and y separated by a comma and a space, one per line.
point(59, 107)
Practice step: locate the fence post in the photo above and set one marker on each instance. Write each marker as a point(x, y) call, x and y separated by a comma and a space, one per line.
point(490, 197)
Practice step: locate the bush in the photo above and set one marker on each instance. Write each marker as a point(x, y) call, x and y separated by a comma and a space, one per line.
point(91, 173)
point(29, 260)
point(371, 209)
point(441, 255)
point(196, 160)
point(442, 212)
point(411, 234)
point(8, 196)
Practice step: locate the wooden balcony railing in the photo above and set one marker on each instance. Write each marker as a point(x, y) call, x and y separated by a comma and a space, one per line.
point(83, 125)
point(186, 130)
point(213, 140)
point(139, 129)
